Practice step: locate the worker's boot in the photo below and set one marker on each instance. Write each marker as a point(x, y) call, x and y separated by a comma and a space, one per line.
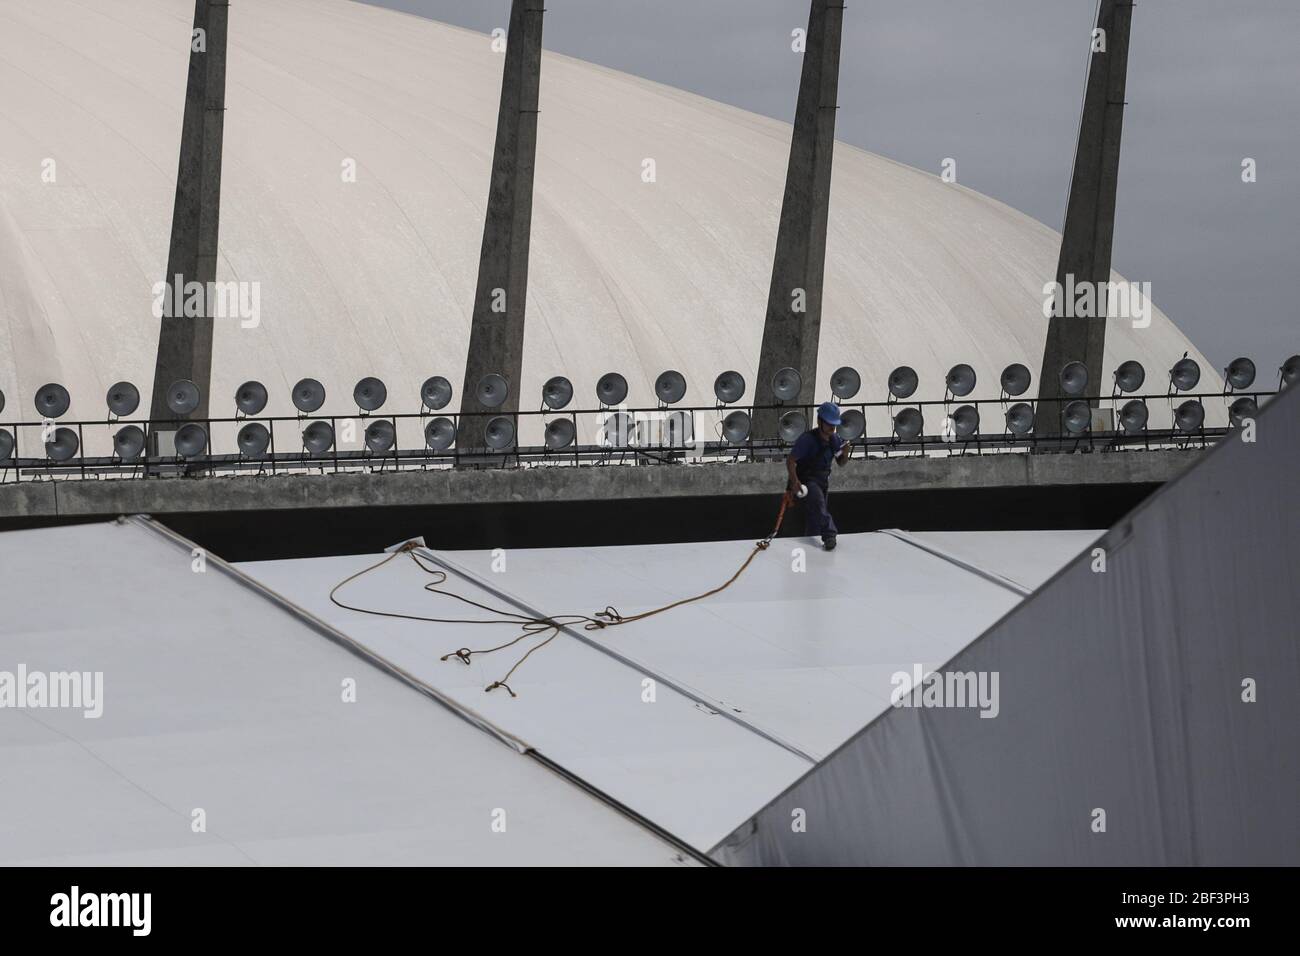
point(828, 542)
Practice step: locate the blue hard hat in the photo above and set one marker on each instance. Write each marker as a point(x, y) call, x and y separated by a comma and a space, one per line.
point(829, 412)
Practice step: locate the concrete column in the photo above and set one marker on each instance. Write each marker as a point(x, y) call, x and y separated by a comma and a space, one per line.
point(1089, 217)
point(185, 344)
point(496, 339)
point(794, 306)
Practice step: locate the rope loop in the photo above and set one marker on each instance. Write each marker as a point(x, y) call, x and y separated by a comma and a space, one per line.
point(546, 627)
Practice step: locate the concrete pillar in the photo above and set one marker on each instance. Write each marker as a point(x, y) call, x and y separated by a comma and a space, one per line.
point(1089, 217)
point(496, 339)
point(794, 306)
point(185, 344)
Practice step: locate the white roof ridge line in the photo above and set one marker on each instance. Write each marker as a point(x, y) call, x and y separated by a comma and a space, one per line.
point(700, 698)
point(335, 635)
point(990, 576)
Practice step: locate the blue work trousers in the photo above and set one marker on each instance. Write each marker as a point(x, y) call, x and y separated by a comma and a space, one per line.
point(817, 517)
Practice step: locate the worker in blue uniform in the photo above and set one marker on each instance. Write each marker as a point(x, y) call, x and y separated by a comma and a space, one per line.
point(809, 465)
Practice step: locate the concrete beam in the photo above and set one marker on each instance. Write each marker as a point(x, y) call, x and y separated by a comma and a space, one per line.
point(496, 339)
point(794, 306)
point(185, 343)
point(1090, 215)
point(551, 484)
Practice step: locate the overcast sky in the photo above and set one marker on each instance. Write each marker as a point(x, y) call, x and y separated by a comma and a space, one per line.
point(997, 85)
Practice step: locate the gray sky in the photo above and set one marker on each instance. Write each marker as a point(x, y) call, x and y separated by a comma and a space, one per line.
point(997, 84)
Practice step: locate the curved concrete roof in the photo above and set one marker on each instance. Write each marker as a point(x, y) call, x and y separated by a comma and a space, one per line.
point(377, 277)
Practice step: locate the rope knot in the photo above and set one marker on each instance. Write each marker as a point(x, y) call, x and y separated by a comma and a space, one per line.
point(499, 683)
point(463, 655)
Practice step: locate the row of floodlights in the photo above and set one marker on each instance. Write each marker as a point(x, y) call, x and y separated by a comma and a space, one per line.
point(253, 440)
point(183, 397)
point(308, 395)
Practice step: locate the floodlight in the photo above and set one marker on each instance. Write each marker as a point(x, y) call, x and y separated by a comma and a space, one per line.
point(903, 381)
point(499, 433)
point(318, 438)
point(960, 380)
point(680, 429)
point(1133, 416)
point(786, 384)
point(369, 394)
point(853, 424)
point(1129, 376)
point(611, 389)
point(1185, 374)
point(52, 400)
point(128, 443)
point(845, 383)
point(1078, 417)
point(183, 397)
point(1240, 373)
point(1189, 416)
point(191, 440)
point(1020, 419)
point(965, 421)
point(308, 395)
point(63, 445)
point(670, 387)
point(560, 434)
point(435, 393)
point(2, 401)
point(908, 424)
point(253, 440)
point(729, 387)
point(1016, 379)
point(492, 391)
point(1074, 378)
point(6, 445)
point(380, 436)
point(250, 398)
point(735, 427)
point(123, 399)
point(1243, 408)
point(791, 426)
point(557, 393)
point(1290, 370)
point(440, 433)
point(618, 430)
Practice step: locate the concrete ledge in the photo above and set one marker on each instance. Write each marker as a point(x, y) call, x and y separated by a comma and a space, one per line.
point(549, 484)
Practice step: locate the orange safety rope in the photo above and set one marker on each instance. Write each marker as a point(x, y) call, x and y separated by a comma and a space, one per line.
point(532, 626)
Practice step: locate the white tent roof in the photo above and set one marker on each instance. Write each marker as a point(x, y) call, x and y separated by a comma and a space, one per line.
point(1147, 708)
point(216, 698)
point(752, 685)
point(377, 277)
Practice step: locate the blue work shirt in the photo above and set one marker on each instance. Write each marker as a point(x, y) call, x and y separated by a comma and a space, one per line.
point(813, 457)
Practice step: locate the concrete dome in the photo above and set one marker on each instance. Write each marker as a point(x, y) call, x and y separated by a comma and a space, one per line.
point(377, 277)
